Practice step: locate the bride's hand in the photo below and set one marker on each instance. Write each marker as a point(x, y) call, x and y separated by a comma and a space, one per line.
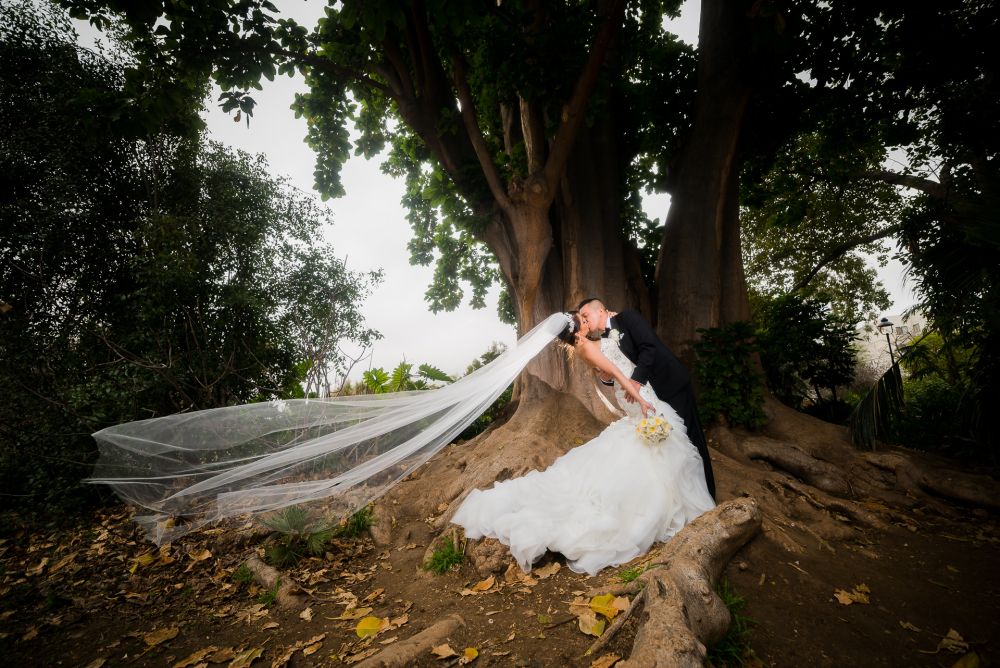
point(646, 407)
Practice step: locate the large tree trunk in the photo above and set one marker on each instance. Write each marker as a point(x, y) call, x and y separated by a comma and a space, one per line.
point(589, 257)
point(699, 274)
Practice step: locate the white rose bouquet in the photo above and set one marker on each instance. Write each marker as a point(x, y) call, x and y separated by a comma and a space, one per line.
point(653, 429)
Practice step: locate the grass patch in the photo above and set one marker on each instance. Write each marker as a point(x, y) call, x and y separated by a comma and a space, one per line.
point(444, 558)
point(269, 597)
point(734, 649)
point(357, 524)
point(242, 575)
point(626, 575)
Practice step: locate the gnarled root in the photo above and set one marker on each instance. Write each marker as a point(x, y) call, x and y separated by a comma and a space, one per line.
point(289, 595)
point(681, 611)
point(970, 489)
point(785, 456)
point(406, 652)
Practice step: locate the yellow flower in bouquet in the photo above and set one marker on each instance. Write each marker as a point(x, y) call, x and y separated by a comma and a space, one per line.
point(653, 429)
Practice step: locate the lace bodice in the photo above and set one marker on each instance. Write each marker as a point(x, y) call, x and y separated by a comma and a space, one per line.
point(614, 353)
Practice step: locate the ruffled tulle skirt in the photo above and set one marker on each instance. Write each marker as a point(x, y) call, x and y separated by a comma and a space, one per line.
point(601, 504)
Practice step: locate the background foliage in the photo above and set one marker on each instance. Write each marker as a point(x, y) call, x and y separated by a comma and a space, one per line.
point(146, 273)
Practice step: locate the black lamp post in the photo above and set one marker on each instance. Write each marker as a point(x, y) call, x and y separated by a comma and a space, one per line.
point(885, 326)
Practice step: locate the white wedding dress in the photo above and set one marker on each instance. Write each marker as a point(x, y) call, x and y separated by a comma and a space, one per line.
point(603, 503)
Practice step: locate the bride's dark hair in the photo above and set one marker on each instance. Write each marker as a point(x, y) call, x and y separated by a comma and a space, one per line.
point(568, 335)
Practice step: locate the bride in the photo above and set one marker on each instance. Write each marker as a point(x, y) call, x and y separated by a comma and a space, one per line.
point(605, 502)
point(609, 499)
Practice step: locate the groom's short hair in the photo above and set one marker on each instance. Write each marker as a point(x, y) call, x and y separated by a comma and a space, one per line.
point(587, 301)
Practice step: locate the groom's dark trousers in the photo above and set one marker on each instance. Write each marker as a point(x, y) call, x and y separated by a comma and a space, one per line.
point(656, 365)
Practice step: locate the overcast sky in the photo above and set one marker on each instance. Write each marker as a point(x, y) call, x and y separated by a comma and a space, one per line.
point(369, 228)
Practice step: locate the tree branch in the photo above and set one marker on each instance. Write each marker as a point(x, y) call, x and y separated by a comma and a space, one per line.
point(838, 250)
point(497, 186)
point(326, 64)
point(932, 188)
point(533, 130)
point(573, 112)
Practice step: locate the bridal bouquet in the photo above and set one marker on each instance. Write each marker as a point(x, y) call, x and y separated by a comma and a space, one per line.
point(653, 429)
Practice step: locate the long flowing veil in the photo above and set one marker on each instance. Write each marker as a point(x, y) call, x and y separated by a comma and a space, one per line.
point(192, 469)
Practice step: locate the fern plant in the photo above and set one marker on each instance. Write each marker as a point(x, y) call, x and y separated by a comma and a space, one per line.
point(298, 535)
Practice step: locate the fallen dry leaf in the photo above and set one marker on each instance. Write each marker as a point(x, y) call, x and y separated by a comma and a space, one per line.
point(606, 661)
point(546, 571)
point(590, 623)
point(195, 657)
point(443, 651)
point(37, 570)
point(349, 615)
point(156, 637)
point(96, 663)
point(306, 615)
point(480, 587)
point(270, 625)
point(970, 660)
point(361, 656)
point(246, 657)
point(374, 595)
point(858, 595)
point(468, 656)
point(909, 627)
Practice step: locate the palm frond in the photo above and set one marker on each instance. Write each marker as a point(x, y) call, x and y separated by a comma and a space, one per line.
point(871, 418)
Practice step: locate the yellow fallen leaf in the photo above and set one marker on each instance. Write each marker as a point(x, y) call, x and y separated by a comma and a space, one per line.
point(468, 656)
point(368, 626)
point(606, 661)
point(156, 637)
point(604, 605)
point(484, 585)
point(143, 560)
point(246, 657)
point(443, 651)
point(858, 595)
point(970, 660)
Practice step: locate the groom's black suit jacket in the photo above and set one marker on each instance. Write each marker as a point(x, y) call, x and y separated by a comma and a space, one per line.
point(656, 365)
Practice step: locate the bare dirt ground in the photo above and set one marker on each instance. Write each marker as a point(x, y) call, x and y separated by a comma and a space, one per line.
point(925, 591)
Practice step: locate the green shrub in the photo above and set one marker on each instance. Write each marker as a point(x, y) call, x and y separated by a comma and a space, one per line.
point(357, 524)
point(297, 536)
point(728, 380)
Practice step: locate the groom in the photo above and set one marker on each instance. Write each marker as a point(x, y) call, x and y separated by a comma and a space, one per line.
point(654, 363)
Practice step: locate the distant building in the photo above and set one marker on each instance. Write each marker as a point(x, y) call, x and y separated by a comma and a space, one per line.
point(873, 349)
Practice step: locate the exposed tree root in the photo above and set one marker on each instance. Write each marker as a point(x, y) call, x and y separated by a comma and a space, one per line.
point(787, 457)
point(289, 595)
point(681, 611)
point(974, 490)
point(406, 652)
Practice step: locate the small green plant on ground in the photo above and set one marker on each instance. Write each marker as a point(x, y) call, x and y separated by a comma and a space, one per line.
point(242, 575)
point(444, 558)
point(734, 648)
point(297, 536)
point(626, 575)
point(269, 597)
point(357, 524)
